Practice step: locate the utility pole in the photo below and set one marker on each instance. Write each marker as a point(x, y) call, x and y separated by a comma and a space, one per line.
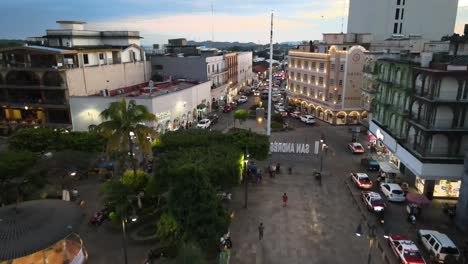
point(270, 80)
point(246, 176)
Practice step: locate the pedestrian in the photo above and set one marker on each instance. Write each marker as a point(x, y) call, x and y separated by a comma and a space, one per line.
point(285, 200)
point(261, 227)
point(277, 168)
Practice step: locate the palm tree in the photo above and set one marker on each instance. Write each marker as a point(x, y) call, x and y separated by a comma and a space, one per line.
point(125, 123)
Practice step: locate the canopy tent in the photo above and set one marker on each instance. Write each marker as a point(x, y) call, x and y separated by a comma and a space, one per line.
point(388, 167)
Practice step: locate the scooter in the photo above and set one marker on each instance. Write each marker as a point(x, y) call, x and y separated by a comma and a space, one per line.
point(380, 216)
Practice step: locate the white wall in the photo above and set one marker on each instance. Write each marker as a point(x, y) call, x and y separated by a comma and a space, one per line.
point(430, 18)
point(244, 67)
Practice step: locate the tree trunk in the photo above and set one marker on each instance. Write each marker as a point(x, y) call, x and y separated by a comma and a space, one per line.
point(132, 159)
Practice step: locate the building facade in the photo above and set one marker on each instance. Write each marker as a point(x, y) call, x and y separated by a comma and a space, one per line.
point(328, 85)
point(244, 69)
point(37, 81)
point(383, 19)
point(421, 117)
point(175, 104)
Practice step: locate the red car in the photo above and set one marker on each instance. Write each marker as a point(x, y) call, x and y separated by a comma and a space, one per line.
point(356, 148)
point(229, 107)
point(361, 180)
point(373, 201)
point(405, 250)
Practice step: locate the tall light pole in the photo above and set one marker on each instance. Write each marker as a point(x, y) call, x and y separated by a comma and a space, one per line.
point(270, 79)
point(246, 161)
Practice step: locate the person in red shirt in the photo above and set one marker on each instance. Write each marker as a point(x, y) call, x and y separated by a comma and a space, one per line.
point(285, 200)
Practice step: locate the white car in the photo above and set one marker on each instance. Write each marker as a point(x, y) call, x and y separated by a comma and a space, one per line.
point(308, 119)
point(361, 180)
point(373, 201)
point(243, 99)
point(405, 250)
point(279, 105)
point(356, 148)
point(295, 114)
point(204, 123)
point(439, 245)
point(393, 192)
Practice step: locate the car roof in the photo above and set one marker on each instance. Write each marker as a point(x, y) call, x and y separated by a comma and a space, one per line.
point(308, 116)
point(374, 195)
point(204, 120)
point(406, 243)
point(393, 186)
point(443, 239)
point(356, 144)
point(361, 174)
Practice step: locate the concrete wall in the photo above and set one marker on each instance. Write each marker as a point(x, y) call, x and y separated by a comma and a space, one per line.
point(416, 19)
point(193, 68)
point(244, 68)
point(91, 80)
point(85, 110)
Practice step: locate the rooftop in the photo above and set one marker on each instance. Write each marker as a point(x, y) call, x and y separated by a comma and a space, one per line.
point(157, 90)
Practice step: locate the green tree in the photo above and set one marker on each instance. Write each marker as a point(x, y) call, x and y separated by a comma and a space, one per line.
point(195, 206)
point(116, 196)
point(241, 115)
point(190, 253)
point(12, 167)
point(136, 182)
point(167, 230)
point(123, 121)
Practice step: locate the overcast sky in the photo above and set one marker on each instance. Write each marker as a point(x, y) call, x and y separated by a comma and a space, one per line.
point(232, 20)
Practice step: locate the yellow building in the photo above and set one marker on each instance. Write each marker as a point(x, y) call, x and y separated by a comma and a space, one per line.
point(328, 85)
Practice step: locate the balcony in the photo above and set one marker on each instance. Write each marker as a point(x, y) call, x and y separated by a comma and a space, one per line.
point(443, 125)
point(430, 99)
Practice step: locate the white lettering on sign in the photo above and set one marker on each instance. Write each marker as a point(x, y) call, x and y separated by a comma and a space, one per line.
point(297, 148)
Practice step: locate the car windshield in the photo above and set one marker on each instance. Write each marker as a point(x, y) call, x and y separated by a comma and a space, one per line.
point(411, 254)
point(397, 192)
point(449, 250)
point(357, 146)
point(377, 201)
point(365, 180)
point(202, 122)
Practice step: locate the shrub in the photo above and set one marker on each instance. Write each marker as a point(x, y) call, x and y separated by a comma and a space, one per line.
point(190, 253)
point(167, 230)
point(137, 182)
point(276, 125)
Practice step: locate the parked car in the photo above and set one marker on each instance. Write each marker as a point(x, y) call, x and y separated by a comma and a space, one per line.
point(281, 111)
point(439, 245)
point(308, 119)
point(204, 123)
point(295, 114)
point(279, 105)
point(228, 108)
point(393, 192)
point(361, 180)
point(256, 92)
point(213, 118)
point(356, 148)
point(405, 250)
point(373, 201)
point(243, 99)
point(370, 164)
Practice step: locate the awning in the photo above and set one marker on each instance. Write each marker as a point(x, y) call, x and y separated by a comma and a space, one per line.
point(418, 199)
point(388, 167)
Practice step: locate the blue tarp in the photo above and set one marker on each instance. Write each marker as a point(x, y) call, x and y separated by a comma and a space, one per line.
point(106, 165)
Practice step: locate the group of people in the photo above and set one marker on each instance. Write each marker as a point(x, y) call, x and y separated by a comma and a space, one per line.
point(99, 217)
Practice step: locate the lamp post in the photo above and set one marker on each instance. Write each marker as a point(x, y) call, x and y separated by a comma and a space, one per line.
point(246, 161)
point(323, 148)
point(371, 237)
point(124, 217)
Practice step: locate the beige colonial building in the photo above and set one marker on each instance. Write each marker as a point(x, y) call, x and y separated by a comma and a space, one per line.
point(328, 85)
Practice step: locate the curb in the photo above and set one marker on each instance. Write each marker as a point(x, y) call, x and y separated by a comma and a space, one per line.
point(365, 217)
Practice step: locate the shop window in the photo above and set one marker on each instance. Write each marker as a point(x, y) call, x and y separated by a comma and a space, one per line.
point(85, 59)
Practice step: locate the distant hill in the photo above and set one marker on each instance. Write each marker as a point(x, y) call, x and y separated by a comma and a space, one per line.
point(5, 43)
point(222, 45)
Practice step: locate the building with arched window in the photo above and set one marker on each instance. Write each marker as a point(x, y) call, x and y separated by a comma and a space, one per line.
point(421, 117)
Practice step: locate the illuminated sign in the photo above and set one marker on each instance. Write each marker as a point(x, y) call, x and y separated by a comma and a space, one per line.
point(297, 148)
point(163, 115)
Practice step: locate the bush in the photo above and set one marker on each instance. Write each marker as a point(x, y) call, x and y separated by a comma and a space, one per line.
point(276, 125)
point(137, 182)
point(277, 118)
point(190, 253)
point(46, 139)
point(168, 231)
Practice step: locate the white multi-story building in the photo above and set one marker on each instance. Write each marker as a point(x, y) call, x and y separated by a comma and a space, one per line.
point(244, 66)
point(431, 19)
point(36, 81)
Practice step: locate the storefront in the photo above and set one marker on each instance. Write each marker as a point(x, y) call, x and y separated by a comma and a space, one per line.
point(442, 188)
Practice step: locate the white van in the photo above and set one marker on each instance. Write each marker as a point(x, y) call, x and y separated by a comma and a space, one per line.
point(439, 245)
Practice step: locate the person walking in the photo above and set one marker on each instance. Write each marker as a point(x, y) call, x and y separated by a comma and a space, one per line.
point(285, 200)
point(261, 227)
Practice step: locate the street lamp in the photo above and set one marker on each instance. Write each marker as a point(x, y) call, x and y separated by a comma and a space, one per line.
point(125, 218)
point(246, 160)
point(323, 147)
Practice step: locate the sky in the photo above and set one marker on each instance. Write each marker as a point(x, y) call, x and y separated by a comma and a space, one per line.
point(158, 20)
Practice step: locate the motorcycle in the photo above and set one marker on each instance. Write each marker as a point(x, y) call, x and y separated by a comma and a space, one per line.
point(380, 216)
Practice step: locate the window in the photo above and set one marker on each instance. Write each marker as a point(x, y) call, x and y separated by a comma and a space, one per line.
point(292, 62)
point(208, 68)
point(101, 56)
point(217, 67)
point(397, 13)
point(212, 67)
point(85, 59)
point(436, 247)
point(330, 96)
point(332, 82)
point(298, 76)
point(312, 92)
point(312, 78)
point(157, 67)
point(320, 81)
point(314, 65)
point(340, 83)
point(306, 77)
point(341, 67)
point(398, 2)
point(339, 97)
point(322, 66)
point(320, 94)
point(403, 2)
point(395, 28)
point(292, 75)
point(402, 13)
point(332, 66)
point(304, 90)
point(306, 64)
point(401, 27)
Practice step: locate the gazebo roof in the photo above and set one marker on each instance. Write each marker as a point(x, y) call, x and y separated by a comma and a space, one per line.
point(32, 226)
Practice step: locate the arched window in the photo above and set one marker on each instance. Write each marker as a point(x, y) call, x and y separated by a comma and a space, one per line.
point(52, 79)
point(22, 78)
point(439, 145)
point(444, 117)
point(448, 88)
